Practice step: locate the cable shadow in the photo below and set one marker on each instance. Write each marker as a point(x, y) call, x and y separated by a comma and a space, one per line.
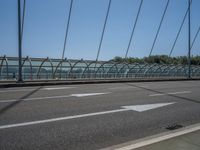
point(174, 96)
point(13, 104)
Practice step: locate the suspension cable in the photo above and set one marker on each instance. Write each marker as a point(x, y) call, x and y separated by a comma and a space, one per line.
point(196, 35)
point(67, 29)
point(23, 18)
point(133, 30)
point(159, 28)
point(179, 31)
point(104, 27)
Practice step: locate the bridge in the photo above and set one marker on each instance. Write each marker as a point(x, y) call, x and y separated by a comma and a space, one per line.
point(61, 102)
point(27, 68)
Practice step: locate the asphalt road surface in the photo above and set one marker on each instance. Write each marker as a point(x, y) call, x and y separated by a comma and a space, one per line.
point(93, 116)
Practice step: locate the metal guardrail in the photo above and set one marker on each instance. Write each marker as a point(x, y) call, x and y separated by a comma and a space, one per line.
point(46, 68)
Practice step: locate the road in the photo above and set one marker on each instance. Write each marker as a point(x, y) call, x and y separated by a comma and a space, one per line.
point(93, 116)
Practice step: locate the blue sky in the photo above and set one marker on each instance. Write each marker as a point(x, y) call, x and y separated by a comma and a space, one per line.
point(46, 21)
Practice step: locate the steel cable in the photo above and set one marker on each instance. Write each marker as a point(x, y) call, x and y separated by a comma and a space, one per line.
point(179, 31)
point(133, 30)
point(23, 18)
point(104, 27)
point(67, 29)
point(159, 28)
point(195, 37)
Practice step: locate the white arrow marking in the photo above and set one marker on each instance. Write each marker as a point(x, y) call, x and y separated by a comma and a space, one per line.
point(87, 94)
point(141, 108)
point(124, 108)
point(51, 97)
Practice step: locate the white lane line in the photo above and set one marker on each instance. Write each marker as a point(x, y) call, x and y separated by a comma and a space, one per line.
point(157, 94)
point(31, 89)
point(16, 90)
point(183, 92)
point(60, 118)
point(58, 88)
point(172, 93)
point(34, 98)
point(159, 138)
point(120, 88)
point(52, 97)
point(88, 94)
point(124, 108)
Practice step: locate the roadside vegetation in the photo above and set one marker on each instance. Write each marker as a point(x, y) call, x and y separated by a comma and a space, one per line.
point(159, 59)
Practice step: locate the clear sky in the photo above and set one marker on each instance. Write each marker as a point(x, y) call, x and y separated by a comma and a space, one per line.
point(46, 20)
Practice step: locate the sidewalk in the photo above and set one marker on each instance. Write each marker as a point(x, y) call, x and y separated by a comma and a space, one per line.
point(186, 138)
point(190, 141)
point(12, 83)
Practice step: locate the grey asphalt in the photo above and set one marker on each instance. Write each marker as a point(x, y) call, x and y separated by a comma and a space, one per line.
point(94, 132)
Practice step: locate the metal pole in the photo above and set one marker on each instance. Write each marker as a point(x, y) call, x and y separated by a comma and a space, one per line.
point(19, 44)
point(189, 41)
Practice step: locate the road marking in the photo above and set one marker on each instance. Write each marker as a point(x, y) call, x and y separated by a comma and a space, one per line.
point(155, 139)
point(5, 91)
point(172, 93)
point(58, 88)
point(52, 97)
point(141, 108)
point(34, 98)
point(88, 94)
point(31, 89)
point(60, 119)
point(157, 94)
point(183, 92)
point(124, 108)
point(121, 88)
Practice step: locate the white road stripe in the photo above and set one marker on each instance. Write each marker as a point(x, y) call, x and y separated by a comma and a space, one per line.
point(183, 92)
point(151, 140)
point(172, 93)
point(121, 88)
point(5, 91)
point(58, 88)
point(157, 94)
point(34, 98)
point(31, 89)
point(60, 119)
point(52, 97)
point(124, 108)
point(88, 94)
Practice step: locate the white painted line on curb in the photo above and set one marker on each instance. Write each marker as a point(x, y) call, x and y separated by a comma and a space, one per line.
point(124, 108)
point(52, 97)
point(159, 139)
point(172, 93)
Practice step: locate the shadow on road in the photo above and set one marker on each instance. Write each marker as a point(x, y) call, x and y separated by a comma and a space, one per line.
point(9, 106)
point(184, 98)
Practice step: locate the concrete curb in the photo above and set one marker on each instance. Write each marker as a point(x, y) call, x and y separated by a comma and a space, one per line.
point(8, 84)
